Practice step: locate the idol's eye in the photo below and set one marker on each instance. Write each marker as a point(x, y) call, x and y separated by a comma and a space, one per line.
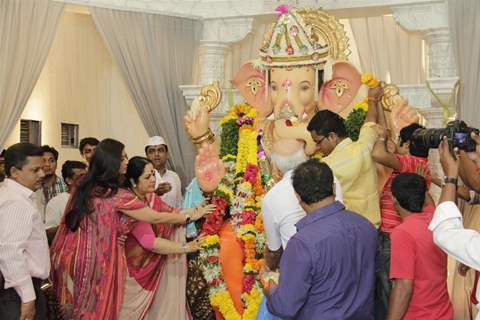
point(305, 87)
point(274, 86)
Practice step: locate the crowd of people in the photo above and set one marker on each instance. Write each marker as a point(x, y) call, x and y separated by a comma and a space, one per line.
point(106, 238)
point(92, 211)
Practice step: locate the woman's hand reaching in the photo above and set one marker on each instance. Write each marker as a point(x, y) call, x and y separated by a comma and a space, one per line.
point(199, 212)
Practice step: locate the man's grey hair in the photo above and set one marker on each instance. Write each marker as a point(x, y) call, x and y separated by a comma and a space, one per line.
point(290, 162)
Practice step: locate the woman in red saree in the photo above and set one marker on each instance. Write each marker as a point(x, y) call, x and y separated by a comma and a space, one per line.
point(88, 267)
point(157, 269)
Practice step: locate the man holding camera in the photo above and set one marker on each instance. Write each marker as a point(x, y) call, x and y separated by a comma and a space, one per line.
point(447, 223)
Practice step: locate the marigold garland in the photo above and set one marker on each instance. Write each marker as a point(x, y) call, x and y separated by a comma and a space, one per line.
point(239, 193)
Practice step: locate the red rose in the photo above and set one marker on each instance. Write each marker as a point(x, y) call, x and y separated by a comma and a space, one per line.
point(212, 259)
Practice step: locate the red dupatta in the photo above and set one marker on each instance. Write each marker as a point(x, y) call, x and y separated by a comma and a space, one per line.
point(145, 266)
point(88, 267)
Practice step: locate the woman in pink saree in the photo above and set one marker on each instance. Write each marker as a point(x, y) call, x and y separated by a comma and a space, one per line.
point(155, 287)
point(88, 266)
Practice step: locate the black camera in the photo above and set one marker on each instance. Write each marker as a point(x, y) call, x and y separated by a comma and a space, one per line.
point(457, 133)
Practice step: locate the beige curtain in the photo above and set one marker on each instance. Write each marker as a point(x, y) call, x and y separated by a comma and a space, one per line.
point(388, 51)
point(155, 55)
point(27, 31)
point(465, 33)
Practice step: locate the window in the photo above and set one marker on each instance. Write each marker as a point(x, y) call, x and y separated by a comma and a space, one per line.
point(31, 131)
point(69, 135)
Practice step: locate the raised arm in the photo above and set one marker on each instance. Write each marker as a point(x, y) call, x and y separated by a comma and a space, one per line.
point(467, 167)
point(374, 96)
point(380, 153)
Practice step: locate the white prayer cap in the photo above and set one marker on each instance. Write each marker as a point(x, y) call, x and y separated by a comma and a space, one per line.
point(155, 141)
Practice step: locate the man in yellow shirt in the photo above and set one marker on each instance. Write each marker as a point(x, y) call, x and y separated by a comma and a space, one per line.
point(351, 161)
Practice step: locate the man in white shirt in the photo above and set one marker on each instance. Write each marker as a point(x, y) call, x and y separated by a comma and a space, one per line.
point(24, 255)
point(281, 211)
point(167, 184)
point(71, 172)
point(447, 223)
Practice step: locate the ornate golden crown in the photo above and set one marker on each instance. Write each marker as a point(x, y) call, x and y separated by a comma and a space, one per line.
point(303, 36)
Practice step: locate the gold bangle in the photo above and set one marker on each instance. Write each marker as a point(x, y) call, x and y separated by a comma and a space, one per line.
point(209, 131)
point(207, 138)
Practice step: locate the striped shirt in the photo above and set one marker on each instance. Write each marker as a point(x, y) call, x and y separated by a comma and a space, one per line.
point(59, 186)
point(23, 242)
point(47, 193)
point(390, 217)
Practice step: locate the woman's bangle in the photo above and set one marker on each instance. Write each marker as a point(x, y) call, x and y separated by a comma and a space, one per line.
point(185, 248)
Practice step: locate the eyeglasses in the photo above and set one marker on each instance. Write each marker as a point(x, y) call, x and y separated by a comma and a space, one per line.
point(320, 141)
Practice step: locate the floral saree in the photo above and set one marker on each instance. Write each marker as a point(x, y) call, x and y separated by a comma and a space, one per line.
point(155, 285)
point(88, 267)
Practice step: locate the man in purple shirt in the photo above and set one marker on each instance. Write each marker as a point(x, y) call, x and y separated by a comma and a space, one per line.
point(328, 268)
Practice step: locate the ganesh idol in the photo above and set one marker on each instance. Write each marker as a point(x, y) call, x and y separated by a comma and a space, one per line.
point(302, 68)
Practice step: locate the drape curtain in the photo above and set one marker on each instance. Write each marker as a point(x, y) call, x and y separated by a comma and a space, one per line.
point(388, 51)
point(27, 31)
point(465, 33)
point(155, 55)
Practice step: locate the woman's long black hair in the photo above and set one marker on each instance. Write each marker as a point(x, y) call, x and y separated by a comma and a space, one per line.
point(101, 180)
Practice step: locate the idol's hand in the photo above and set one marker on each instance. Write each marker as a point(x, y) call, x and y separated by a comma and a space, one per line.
point(209, 169)
point(403, 115)
point(197, 120)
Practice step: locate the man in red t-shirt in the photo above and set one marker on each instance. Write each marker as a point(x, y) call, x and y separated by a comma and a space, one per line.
point(417, 267)
point(405, 157)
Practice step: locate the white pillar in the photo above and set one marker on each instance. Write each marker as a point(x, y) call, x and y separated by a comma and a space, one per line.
point(432, 19)
point(211, 58)
point(217, 35)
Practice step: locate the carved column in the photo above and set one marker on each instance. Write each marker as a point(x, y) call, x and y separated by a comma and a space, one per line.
point(211, 58)
point(217, 35)
point(432, 20)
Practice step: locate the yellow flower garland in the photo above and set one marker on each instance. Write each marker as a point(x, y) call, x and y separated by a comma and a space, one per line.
point(246, 154)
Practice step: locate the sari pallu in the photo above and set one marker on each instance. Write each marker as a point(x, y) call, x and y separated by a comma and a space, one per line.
point(88, 267)
point(155, 285)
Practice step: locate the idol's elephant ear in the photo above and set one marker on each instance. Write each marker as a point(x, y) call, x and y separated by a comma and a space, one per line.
point(251, 82)
point(338, 93)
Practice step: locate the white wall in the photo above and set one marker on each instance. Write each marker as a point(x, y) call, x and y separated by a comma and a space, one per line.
point(80, 84)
